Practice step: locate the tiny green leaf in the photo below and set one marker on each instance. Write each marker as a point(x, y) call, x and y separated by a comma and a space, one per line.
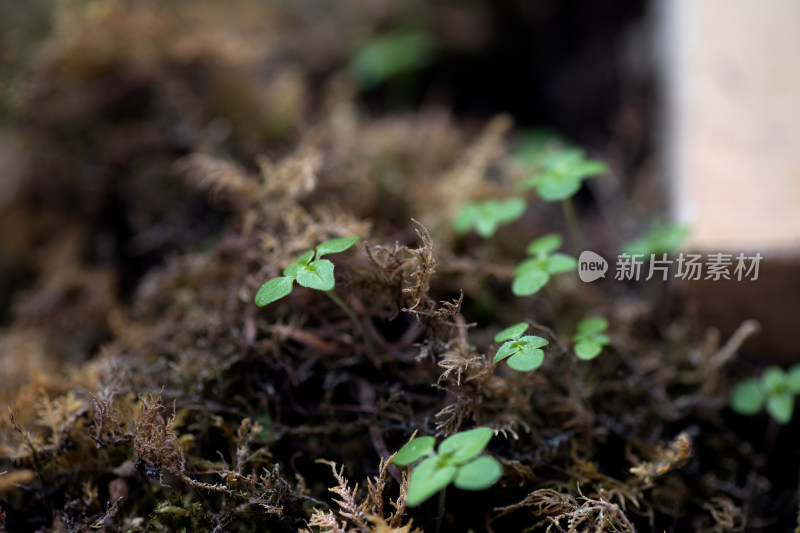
point(511, 332)
point(781, 407)
point(479, 474)
point(592, 324)
point(461, 447)
point(532, 341)
point(414, 450)
point(747, 398)
point(508, 348)
point(485, 226)
point(558, 263)
point(554, 186)
point(274, 289)
point(774, 380)
point(463, 220)
point(317, 275)
point(526, 359)
point(588, 349)
point(428, 478)
point(391, 56)
point(529, 282)
point(545, 245)
point(511, 209)
point(301, 261)
point(334, 246)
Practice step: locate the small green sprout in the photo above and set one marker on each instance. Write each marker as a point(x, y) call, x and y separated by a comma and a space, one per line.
point(589, 337)
point(660, 237)
point(309, 270)
point(485, 217)
point(563, 173)
point(524, 353)
point(534, 273)
point(776, 389)
point(457, 461)
point(391, 56)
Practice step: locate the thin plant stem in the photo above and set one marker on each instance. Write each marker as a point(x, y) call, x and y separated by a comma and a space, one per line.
point(353, 318)
point(440, 514)
point(571, 219)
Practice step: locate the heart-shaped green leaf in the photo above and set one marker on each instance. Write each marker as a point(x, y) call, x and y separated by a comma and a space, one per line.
point(545, 245)
point(781, 407)
point(508, 348)
point(510, 209)
point(592, 324)
point(747, 398)
point(428, 478)
point(461, 447)
point(558, 263)
point(463, 220)
point(526, 359)
point(317, 275)
point(532, 341)
point(479, 474)
point(334, 246)
point(588, 349)
point(512, 332)
point(274, 289)
point(529, 282)
point(485, 226)
point(414, 450)
point(774, 380)
point(390, 56)
point(554, 186)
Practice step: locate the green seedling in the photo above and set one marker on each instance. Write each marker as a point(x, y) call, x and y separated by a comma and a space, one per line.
point(660, 237)
point(534, 273)
point(457, 461)
point(563, 172)
point(309, 270)
point(485, 217)
point(558, 174)
point(391, 56)
point(589, 338)
point(776, 390)
point(524, 353)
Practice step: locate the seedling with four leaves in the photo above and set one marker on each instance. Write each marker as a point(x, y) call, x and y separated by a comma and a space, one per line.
point(457, 461)
point(524, 353)
point(563, 173)
point(589, 337)
point(485, 217)
point(776, 390)
point(309, 270)
point(534, 273)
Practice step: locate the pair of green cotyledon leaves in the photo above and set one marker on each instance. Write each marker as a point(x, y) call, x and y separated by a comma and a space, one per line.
point(534, 273)
point(309, 270)
point(775, 391)
point(457, 461)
